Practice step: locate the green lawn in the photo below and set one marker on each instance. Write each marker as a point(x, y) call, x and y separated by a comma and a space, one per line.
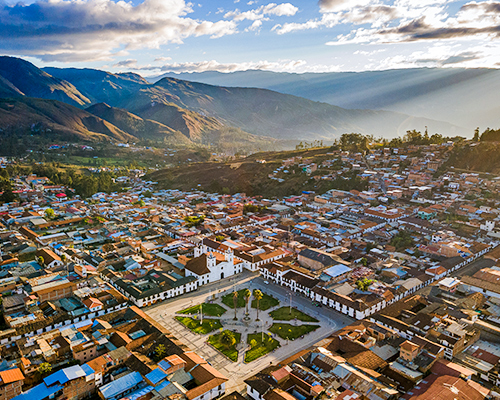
point(213, 310)
point(287, 331)
point(266, 302)
point(283, 314)
point(262, 347)
point(229, 352)
point(228, 299)
point(194, 325)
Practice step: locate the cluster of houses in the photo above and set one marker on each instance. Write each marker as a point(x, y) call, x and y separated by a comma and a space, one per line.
point(75, 273)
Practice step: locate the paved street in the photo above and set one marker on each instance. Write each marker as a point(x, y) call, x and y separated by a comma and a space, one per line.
point(164, 313)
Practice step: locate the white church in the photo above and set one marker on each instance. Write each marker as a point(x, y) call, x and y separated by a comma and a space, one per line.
point(213, 266)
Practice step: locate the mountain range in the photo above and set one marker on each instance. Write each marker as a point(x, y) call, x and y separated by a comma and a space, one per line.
point(96, 105)
point(460, 96)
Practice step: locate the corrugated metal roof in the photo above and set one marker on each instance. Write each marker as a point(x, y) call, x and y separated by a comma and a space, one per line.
point(122, 384)
point(156, 376)
point(39, 392)
point(65, 375)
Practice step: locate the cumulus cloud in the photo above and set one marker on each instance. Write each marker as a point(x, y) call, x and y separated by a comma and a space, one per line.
point(337, 12)
point(76, 30)
point(338, 5)
point(262, 12)
point(409, 21)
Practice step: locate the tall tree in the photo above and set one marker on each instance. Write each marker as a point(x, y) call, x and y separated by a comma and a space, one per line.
point(257, 294)
point(235, 303)
point(247, 296)
point(476, 135)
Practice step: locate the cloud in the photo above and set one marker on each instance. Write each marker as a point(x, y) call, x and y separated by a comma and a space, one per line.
point(255, 26)
point(126, 63)
point(261, 13)
point(358, 12)
point(212, 65)
point(338, 5)
point(76, 30)
point(162, 59)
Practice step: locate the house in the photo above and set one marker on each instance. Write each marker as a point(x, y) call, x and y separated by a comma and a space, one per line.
point(11, 382)
point(50, 259)
point(122, 387)
point(72, 383)
point(317, 260)
point(93, 304)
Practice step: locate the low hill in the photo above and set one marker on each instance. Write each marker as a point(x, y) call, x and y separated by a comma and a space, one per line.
point(190, 123)
point(20, 77)
point(253, 178)
point(138, 127)
point(25, 114)
point(475, 157)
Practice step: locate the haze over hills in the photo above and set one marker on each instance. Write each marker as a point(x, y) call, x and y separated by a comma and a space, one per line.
point(266, 112)
point(465, 97)
point(202, 113)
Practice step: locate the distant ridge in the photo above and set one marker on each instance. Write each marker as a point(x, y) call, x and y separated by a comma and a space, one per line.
point(466, 97)
point(204, 114)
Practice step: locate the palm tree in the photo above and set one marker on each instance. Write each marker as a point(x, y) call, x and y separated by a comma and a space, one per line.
point(257, 294)
point(235, 302)
point(247, 296)
point(227, 338)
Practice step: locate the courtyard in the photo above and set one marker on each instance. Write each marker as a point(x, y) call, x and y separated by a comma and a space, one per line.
point(245, 325)
point(284, 326)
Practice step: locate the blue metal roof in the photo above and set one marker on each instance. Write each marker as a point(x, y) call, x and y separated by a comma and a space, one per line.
point(337, 270)
point(64, 375)
point(121, 385)
point(162, 385)
point(87, 369)
point(165, 365)
point(156, 376)
point(137, 334)
point(39, 392)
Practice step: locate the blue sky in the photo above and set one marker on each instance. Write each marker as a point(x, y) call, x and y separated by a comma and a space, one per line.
point(157, 36)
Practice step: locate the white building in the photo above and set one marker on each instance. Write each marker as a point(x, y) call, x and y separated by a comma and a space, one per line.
point(212, 266)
